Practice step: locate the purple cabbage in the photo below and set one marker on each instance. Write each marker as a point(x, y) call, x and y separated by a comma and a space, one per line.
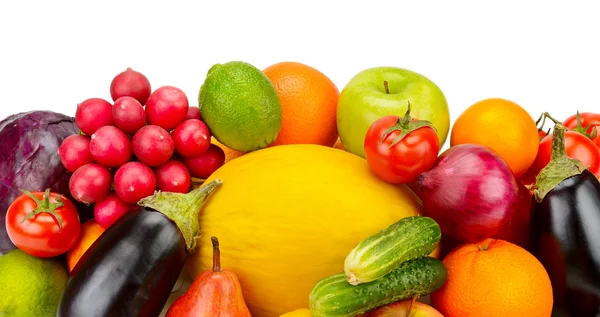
point(28, 143)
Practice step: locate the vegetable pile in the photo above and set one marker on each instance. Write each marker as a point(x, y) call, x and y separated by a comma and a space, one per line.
point(29, 142)
point(146, 141)
point(134, 194)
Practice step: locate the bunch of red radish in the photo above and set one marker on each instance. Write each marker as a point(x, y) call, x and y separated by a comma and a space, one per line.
point(146, 141)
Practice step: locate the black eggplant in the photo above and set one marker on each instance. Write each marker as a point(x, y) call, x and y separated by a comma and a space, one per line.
point(132, 267)
point(566, 231)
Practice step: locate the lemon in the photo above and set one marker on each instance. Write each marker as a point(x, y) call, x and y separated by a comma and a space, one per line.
point(240, 106)
point(30, 286)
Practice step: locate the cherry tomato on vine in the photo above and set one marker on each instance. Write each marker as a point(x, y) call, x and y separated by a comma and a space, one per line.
point(43, 224)
point(588, 124)
point(398, 149)
point(577, 145)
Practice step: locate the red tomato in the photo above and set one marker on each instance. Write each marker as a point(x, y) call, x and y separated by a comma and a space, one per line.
point(403, 162)
point(587, 119)
point(577, 145)
point(52, 227)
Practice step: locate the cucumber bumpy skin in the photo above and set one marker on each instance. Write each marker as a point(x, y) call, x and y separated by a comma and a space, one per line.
point(409, 238)
point(333, 296)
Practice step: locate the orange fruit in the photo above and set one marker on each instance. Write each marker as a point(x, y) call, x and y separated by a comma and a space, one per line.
point(504, 127)
point(309, 103)
point(339, 145)
point(493, 278)
point(90, 231)
point(230, 154)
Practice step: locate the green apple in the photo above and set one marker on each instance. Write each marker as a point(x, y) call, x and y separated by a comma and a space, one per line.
point(365, 99)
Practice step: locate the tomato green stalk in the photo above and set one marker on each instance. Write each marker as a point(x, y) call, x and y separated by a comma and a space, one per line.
point(584, 130)
point(540, 128)
point(44, 206)
point(405, 125)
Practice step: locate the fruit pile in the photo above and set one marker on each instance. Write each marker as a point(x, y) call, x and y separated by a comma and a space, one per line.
point(282, 196)
point(146, 141)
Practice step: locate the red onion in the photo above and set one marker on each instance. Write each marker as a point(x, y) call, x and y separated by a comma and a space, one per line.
point(470, 191)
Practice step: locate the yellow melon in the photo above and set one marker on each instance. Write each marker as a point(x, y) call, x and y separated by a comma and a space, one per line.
point(302, 312)
point(287, 216)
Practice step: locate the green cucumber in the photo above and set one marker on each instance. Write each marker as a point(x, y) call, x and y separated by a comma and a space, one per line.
point(409, 238)
point(334, 297)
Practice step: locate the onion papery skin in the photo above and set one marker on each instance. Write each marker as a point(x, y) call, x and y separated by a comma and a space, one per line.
point(470, 191)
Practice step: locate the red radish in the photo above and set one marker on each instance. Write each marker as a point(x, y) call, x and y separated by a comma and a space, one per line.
point(192, 137)
point(470, 192)
point(110, 209)
point(173, 177)
point(130, 83)
point(193, 113)
point(134, 181)
point(128, 114)
point(74, 152)
point(167, 107)
point(203, 165)
point(90, 183)
point(110, 147)
point(93, 114)
point(153, 145)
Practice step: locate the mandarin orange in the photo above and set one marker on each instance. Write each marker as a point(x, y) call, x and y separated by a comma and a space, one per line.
point(309, 102)
point(504, 127)
point(90, 231)
point(494, 278)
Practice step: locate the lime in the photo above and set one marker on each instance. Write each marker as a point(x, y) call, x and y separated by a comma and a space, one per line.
point(30, 286)
point(240, 106)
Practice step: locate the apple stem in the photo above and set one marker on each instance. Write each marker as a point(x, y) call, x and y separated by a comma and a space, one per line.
point(387, 89)
point(411, 304)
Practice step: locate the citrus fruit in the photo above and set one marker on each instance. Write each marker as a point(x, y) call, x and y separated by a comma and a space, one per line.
point(504, 127)
point(30, 286)
point(339, 145)
point(90, 231)
point(240, 106)
point(494, 278)
point(309, 101)
point(230, 154)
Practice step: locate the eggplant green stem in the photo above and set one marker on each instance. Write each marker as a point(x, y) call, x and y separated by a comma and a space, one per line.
point(44, 206)
point(560, 166)
point(183, 209)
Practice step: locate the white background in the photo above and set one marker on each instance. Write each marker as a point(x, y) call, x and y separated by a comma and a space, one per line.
point(542, 55)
